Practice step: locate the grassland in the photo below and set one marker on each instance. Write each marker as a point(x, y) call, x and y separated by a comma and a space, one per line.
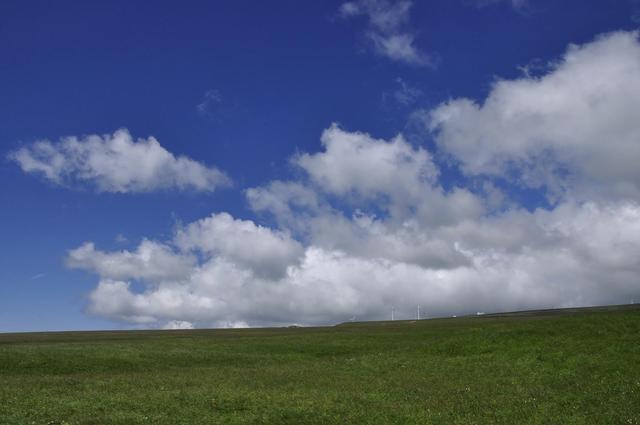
point(567, 367)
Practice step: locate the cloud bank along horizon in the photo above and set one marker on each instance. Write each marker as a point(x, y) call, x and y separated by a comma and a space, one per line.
point(368, 224)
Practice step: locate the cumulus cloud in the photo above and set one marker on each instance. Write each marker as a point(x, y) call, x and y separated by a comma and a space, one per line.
point(288, 202)
point(345, 167)
point(150, 261)
point(369, 225)
point(116, 163)
point(400, 179)
point(387, 33)
point(573, 255)
point(572, 130)
point(264, 251)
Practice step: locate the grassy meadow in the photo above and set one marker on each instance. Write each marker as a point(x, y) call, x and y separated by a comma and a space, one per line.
point(548, 367)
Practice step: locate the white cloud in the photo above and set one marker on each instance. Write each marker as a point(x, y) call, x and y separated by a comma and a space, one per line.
point(387, 32)
point(116, 163)
point(519, 260)
point(151, 261)
point(399, 178)
point(262, 250)
point(356, 163)
point(369, 226)
point(364, 263)
point(291, 203)
point(574, 129)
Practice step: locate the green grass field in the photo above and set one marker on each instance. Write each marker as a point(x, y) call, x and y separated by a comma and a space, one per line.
point(555, 367)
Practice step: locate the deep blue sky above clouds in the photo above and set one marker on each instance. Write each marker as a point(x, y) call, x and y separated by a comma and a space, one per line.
point(462, 214)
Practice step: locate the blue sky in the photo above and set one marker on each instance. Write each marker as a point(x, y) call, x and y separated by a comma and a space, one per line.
point(246, 89)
